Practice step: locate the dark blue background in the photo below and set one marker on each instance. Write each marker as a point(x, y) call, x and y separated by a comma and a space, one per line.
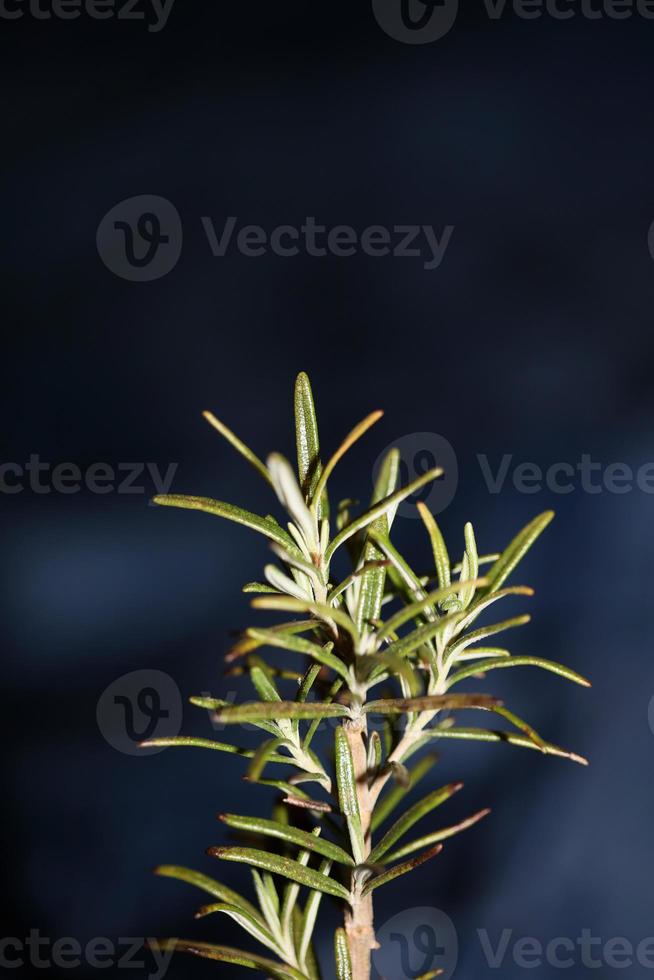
point(534, 338)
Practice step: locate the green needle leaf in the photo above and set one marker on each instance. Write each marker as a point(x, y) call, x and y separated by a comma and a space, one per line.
point(483, 735)
point(306, 436)
point(276, 864)
point(517, 550)
point(252, 711)
point(379, 509)
point(174, 741)
point(439, 549)
point(207, 884)
point(226, 954)
point(292, 835)
point(483, 666)
point(388, 803)
point(249, 924)
point(439, 835)
point(412, 815)
point(401, 869)
point(263, 755)
point(239, 446)
point(371, 588)
point(342, 955)
point(347, 793)
point(297, 644)
point(230, 512)
point(356, 433)
point(430, 702)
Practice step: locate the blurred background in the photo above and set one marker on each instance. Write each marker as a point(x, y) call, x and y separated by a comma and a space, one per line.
point(529, 341)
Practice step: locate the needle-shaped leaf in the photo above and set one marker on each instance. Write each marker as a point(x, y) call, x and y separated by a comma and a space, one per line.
point(342, 956)
point(430, 702)
point(292, 835)
point(227, 954)
point(253, 711)
point(263, 685)
point(475, 611)
point(469, 566)
point(483, 666)
point(307, 440)
point(230, 512)
point(239, 446)
point(259, 588)
point(290, 496)
point(268, 902)
point(415, 608)
point(401, 869)
point(246, 922)
point(318, 609)
point(297, 644)
point(246, 644)
point(402, 574)
point(347, 793)
point(394, 796)
point(313, 727)
point(285, 867)
point(438, 547)
point(371, 589)
point(356, 433)
point(411, 816)
point(405, 646)
point(308, 923)
point(174, 741)
point(381, 508)
point(263, 755)
point(208, 885)
point(437, 836)
point(484, 735)
point(484, 632)
point(517, 550)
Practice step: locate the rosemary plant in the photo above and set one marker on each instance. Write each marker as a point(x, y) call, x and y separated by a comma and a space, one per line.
point(386, 650)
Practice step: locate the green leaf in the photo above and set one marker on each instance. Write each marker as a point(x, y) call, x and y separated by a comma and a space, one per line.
point(356, 433)
point(517, 550)
point(259, 587)
point(394, 797)
point(297, 644)
point(438, 547)
point(435, 838)
point(263, 525)
point(319, 609)
point(239, 446)
point(207, 884)
point(263, 685)
point(253, 711)
point(475, 611)
point(371, 590)
point(430, 702)
point(469, 566)
point(175, 741)
point(484, 633)
point(246, 922)
point(415, 608)
point(379, 509)
point(400, 869)
point(342, 955)
point(484, 735)
point(404, 574)
point(483, 666)
point(276, 864)
point(411, 816)
point(306, 436)
point(226, 954)
point(264, 754)
point(313, 727)
point(308, 923)
point(423, 634)
point(347, 794)
point(290, 496)
point(292, 835)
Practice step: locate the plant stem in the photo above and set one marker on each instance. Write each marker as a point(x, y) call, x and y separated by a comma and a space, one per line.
point(359, 922)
